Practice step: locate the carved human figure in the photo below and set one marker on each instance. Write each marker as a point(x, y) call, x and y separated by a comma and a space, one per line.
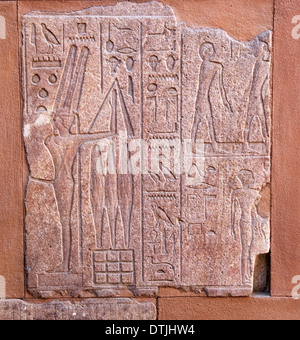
point(203, 120)
point(257, 129)
point(244, 218)
point(64, 146)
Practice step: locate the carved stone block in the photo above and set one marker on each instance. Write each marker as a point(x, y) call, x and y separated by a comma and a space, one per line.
point(90, 309)
point(148, 144)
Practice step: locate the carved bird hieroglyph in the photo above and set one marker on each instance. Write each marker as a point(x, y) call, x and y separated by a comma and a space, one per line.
point(50, 37)
point(161, 215)
point(167, 230)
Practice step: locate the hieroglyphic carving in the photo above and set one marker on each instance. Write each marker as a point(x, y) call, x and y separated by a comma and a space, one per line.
point(99, 81)
point(114, 267)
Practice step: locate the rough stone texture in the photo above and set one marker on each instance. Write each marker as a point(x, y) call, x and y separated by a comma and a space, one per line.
point(11, 157)
point(286, 162)
point(94, 74)
point(254, 308)
point(250, 18)
point(94, 309)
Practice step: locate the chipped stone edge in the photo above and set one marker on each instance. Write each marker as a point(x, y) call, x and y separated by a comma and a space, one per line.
point(132, 10)
point(137, 10)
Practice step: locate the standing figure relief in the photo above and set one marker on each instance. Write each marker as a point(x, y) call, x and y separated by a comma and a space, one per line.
point(149, 145)
point(203, 121)
point(257, 128)
point(65, 143)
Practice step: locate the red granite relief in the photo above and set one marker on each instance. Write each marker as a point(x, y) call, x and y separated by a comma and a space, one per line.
point(148, 145)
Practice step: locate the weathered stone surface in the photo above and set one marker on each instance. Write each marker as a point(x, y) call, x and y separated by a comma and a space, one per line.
point(11, 158)
point(286, 162)
point(93, 309)
point(186, 214)
point(258, 307)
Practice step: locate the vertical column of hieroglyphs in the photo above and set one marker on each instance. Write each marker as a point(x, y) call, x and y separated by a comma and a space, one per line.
point(113, 91)
point(161, 131)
